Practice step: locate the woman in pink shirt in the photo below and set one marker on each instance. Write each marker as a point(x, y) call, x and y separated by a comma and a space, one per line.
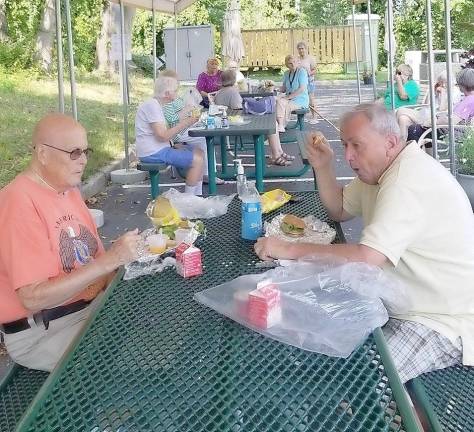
point(209, 81)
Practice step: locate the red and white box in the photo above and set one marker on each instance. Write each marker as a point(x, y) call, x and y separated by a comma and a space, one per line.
point(188, 260)
point(264, 305)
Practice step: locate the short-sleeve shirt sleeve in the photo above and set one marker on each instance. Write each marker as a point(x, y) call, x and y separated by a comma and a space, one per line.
point(413, 91)
point(152, 112)
point(396, 223)
point(351, 197)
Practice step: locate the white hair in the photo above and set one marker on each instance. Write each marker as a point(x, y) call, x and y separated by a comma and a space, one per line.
point(381, 120)
point(164, 83)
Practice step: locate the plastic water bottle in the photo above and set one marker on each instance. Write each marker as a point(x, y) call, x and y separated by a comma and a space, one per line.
point(211, 122)
point(240, 177)
point(251, 212)
point(225, 119)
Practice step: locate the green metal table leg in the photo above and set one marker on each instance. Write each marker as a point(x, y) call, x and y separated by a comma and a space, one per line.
point(211, 165)
point(224, 140)
point(155, 183)
point(259, 161)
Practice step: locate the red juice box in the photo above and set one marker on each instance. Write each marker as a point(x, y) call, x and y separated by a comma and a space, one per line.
point(188, 260)
point(264, 308)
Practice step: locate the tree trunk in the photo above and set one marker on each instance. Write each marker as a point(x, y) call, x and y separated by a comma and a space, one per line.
point(103, 44)
point(3, 21)
point(46, 36)
point(111, 25)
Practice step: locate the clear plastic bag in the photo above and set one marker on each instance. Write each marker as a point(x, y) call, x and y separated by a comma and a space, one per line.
point(194, 207)
point(149, 263)
point(326, 307)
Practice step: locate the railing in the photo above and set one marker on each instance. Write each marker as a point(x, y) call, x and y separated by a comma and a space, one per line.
point(268, 48)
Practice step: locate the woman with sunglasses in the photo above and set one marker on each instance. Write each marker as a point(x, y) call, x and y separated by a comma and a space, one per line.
point(406, 89)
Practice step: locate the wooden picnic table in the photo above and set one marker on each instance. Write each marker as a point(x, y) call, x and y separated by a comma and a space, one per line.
point(150, 358)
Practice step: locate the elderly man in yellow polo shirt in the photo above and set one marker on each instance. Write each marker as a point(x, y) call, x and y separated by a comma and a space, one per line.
point(418, 225)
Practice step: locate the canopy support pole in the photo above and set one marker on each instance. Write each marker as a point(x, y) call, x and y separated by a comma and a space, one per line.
point(429, 37)
point(356, 51)
point(371, 49)
point(154, 40)
point(449, 73)
point(124, 85)
point(175, 39)
point(72, 78)
point(60, 60)
point(390, 52)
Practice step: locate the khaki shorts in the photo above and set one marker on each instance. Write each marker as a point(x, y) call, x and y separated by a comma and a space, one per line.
point(38, 348)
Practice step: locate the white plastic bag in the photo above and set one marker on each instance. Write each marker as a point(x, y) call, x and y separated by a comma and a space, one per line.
point(194, 207)
point(325, 307)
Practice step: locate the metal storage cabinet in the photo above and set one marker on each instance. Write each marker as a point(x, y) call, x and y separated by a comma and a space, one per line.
point(195, 46)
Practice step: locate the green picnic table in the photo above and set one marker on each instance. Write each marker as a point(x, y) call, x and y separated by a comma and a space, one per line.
point(258, 127)
point(152, 359)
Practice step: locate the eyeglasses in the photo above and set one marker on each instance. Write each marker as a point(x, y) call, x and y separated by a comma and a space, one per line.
point(73, 154)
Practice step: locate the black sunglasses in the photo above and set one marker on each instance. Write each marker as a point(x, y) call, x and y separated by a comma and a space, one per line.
point(73, 154)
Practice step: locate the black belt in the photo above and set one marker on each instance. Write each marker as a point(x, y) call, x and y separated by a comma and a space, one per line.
point(44, 316)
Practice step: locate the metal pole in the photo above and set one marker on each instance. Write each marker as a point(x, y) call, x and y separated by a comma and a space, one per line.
point(369, 22)
point(175, 39)
point(59, 48)
point(429, 37)
point(72, 78)
point(154, 40)
point(356, 51)
point(124, 85)
point(449, 72)
point(390, 51)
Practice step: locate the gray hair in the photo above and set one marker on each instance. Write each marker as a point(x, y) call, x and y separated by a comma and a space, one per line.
point(166, 81)
point(465, 79)
point(228, 78)
point(302, 44)
point(406, 69)
point(381, 120)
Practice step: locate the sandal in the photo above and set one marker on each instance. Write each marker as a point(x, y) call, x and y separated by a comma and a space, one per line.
point(288, 157)
point(280, 161)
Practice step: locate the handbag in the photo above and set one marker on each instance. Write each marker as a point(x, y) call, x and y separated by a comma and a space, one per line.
point(264, 105)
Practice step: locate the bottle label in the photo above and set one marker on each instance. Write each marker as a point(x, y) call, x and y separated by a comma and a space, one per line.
point(251, 220)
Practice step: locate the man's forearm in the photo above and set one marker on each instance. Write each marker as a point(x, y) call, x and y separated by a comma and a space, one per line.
point(349, 252)
point(56, 291)
point(330, 192)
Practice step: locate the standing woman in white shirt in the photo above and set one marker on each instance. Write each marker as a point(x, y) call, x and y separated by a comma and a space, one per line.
point(308, 62)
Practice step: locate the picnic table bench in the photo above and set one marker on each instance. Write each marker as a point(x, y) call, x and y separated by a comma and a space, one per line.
point(446, 397)
point(18, 388)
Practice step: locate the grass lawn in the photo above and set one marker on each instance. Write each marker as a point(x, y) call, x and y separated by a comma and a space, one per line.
point(25, 99)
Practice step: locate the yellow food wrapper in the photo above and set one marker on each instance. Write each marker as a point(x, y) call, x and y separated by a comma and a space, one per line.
point(162, 213)
point(274, 199)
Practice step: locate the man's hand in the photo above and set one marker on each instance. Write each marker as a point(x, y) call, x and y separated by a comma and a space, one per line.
point(269, 248)
point(123, 251)
point(320, 154)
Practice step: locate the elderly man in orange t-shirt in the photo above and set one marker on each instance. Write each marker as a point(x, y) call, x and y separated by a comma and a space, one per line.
point(52, 262)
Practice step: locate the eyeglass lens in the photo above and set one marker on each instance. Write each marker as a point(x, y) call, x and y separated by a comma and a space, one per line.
point(76, 153)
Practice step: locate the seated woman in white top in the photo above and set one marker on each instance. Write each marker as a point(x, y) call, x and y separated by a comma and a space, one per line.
point(153, 137)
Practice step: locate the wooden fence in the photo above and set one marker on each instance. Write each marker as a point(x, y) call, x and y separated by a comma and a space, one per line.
point(268, 48)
